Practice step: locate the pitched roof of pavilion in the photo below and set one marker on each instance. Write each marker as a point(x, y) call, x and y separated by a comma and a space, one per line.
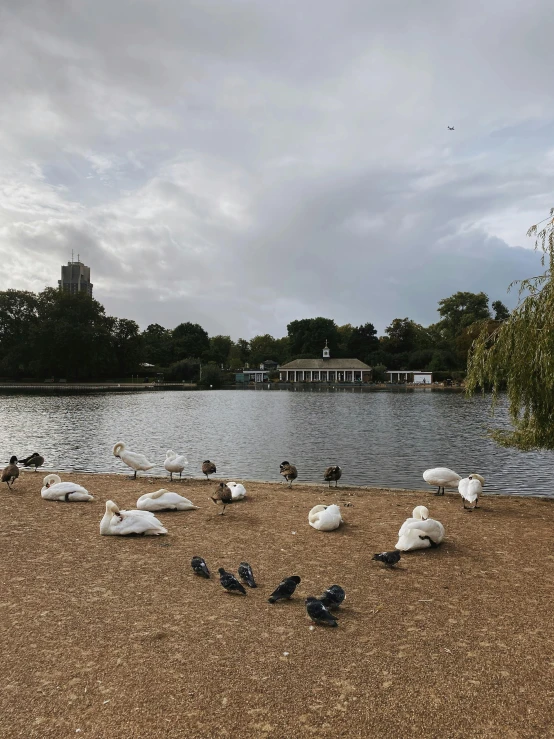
point(325, 364)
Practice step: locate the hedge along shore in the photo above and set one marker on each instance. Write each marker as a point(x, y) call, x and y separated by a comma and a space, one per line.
point(111, 637)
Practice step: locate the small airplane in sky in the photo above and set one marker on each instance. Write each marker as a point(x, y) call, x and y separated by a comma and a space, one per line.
point(450, 128)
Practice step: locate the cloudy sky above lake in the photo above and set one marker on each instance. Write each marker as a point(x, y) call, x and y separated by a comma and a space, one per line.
point(242, 164)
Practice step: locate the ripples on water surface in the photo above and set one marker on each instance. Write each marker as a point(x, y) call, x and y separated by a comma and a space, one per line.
point(379, 438)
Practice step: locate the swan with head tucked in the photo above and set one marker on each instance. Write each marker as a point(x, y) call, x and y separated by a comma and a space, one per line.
point(442, 477)
point(123, 523)
point(238, 491)
point(163, 500)
point(419, 532)
point(55, 489)
point(174, 463)
point(420, 513)
point(470, 488)
point(131, 459)
point(325, 518)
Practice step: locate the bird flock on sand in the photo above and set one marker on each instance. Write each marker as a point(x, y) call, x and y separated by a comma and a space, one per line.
point(417, 532)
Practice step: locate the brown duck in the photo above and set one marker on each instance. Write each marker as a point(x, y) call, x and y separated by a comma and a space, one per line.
point(11, 472)
point(333, 472)
point(222, 495)
point(289, 472)
point(208, 468)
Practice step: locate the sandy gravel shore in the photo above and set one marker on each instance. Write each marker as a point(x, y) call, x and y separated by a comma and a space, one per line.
point(115, 638)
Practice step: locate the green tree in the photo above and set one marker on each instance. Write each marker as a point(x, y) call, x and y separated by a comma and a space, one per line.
point(501, 313)
point(211, 376)
point(363, 341)
point(126, 345)
point(71, 336)
point(461, 310)
point(519, 356)
point(219, 349)
point(189, 340)
point(308, 336)
point(401, 336)
point(157, 345)
point(18, 317)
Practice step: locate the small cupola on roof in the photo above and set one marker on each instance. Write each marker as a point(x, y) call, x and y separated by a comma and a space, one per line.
point(326, 354)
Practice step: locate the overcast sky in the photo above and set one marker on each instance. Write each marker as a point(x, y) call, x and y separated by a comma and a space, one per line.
point(243, 164)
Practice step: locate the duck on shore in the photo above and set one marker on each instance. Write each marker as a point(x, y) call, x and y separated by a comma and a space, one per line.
point(208, 468)
point(332, 473)
point(34, 460)
point(288, 471)
point(10, 473)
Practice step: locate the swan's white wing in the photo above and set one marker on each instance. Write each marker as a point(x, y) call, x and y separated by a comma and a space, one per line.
point(167, 501)
point(410, 540)
point(136, 522)
point(406, 525)
point(135, 460)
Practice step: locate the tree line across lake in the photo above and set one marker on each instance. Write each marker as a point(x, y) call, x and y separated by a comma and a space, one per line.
point(56, 334)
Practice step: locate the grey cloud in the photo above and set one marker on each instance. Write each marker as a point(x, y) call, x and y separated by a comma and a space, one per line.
point(244, 164)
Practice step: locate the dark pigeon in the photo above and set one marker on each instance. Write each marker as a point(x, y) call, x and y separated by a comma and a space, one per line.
point(285, 589)
point(319, 614)
point(230, 582)
point(333, 597)
point(246, 574)
point(388, 558)
point(200, 567)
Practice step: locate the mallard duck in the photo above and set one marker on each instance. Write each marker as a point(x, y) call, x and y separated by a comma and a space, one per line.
point(10, 473)
point(208, 468)
point(123, 523)
point(222, 495)
point(332, 473)
point(55, 489)
point(132, 459)
point(288, 471)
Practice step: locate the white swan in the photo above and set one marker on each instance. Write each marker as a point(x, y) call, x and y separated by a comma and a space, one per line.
point(174, 463)
point(419, 534)
point(163, 500)
point(470, 489)
point(238, 491)
point(131, 459)
point(55, 489)
point(325, 518)
point(420, 513)
point(122, 523)
point(442, 477)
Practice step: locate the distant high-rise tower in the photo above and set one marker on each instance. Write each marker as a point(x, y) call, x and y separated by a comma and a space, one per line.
point(76, 278)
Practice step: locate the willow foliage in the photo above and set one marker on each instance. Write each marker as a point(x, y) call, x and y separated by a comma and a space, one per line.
point(518, 356)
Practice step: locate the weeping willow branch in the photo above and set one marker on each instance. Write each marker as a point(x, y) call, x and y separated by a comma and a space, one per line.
point(519, 356)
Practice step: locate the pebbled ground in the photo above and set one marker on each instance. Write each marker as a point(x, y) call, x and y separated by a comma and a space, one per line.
point(112, 638)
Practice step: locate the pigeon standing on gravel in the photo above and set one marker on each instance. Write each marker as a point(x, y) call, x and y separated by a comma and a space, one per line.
point(246, 574)
point(285, 589)
point(333, 597)
point(230, 582)
point(319, 614)
point(200, 567)
point(388, 558)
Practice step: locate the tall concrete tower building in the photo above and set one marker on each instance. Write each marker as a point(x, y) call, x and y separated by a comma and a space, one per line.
point(76, 278)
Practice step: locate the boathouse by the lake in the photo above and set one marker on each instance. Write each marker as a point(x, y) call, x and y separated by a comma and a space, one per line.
point(325, 370)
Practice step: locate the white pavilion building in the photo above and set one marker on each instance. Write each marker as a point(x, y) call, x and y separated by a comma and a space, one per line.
point(325, 370)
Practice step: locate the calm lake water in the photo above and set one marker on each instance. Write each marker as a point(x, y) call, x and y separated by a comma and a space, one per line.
point(379, 438)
